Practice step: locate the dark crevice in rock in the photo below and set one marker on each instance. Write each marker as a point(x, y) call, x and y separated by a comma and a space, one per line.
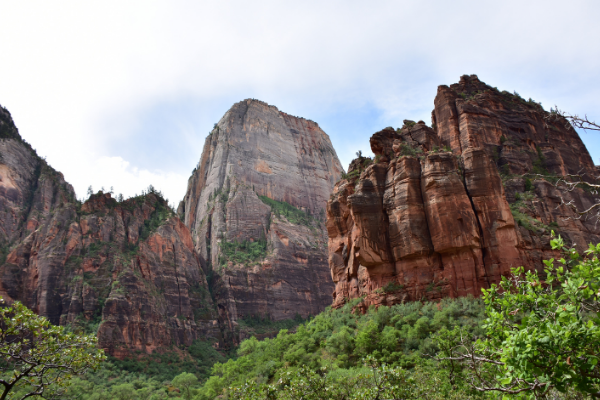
point(479, 225)
point(31, 197)
point(177, 279)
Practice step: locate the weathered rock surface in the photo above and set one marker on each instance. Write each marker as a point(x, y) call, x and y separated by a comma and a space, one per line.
point(136, 273)
point(129, 267)
point(447, 211)
point(256, 153)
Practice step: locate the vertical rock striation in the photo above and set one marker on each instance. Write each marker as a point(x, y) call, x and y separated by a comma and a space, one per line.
point(127, 269)
point(264, 177)
point(253, 242)
point(448, 210)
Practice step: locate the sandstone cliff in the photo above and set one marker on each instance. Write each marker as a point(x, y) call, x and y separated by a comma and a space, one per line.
point(447, 210)
point(255, 206)
point(133, 272)
point(129, 267)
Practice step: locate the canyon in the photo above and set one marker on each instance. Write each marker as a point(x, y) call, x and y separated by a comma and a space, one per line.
point(144, 280)
point(271, 226)
point(446, 210)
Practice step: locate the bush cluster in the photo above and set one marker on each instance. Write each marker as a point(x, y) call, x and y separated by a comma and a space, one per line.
point(340, 339)
point(154, 376)
point(291, 213)
point(245, 252)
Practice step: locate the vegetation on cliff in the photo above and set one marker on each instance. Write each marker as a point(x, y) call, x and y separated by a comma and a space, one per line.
point(528, 337)
point(246, 252)
point(291, 213)
point(535, 338)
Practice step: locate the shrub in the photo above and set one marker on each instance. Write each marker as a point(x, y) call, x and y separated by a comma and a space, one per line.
point(291, 213)
point(245, 252)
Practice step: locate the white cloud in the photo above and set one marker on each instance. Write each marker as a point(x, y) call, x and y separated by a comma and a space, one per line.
point(112, 78)
point(116, 173)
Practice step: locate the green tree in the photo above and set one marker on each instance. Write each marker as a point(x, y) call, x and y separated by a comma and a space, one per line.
point(541, 333)
point(38, 358)
point(185, 383)
point(124, 391)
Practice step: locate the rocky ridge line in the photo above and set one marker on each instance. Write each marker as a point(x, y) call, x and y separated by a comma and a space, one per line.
point(434, 214)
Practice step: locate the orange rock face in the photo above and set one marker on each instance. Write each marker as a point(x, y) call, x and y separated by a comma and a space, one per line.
point(447, 211)
point(145, 292)
point(129, 267)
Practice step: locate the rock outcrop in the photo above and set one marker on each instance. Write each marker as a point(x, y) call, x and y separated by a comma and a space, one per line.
point(253, 243)
point(129, 267)
point(263, 182)
point(448, 210)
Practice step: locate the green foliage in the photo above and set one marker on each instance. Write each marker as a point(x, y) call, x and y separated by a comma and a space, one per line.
point(8, 130)
point(124, 391)
point(246, 252)
point(94, 248)
point(519, 212)
point(408, 150)
point(291, 213)
point(392, 287)
point(165, 366)
point(4, 250)
point(539, 163)
point(470, 96)
point(155, 376)
point(373, 380)
point(185, 382)
point(359, 167)
point(82, 325)
point(262, 325)
point(528, 185)
point(351, 175)
point(542, 331)
point(366, 161)
point(340, 339)
point(160, 214)
point(39, 358)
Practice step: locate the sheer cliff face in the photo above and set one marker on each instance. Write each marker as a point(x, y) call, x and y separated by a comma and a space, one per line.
point(130, 267)
point(137, 272)
point(435, 214)
point(257, 151)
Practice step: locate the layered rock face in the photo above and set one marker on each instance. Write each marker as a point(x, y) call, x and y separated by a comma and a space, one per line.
point(264, 178)
point(133, 272)
point(448, 210)
point(129, 267)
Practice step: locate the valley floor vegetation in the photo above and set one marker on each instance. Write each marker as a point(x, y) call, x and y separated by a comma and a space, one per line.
point(532, 336)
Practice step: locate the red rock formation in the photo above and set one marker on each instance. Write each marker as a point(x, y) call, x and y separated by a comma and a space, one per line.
point(137, 271)
point(147, 293)
point(424, 223)
point(130, 267)
point(255, 150)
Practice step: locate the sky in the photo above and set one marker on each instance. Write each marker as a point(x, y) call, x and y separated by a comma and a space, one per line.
point(122, 94)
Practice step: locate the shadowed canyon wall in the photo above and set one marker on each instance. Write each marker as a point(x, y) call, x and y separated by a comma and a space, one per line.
point(445, 211)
